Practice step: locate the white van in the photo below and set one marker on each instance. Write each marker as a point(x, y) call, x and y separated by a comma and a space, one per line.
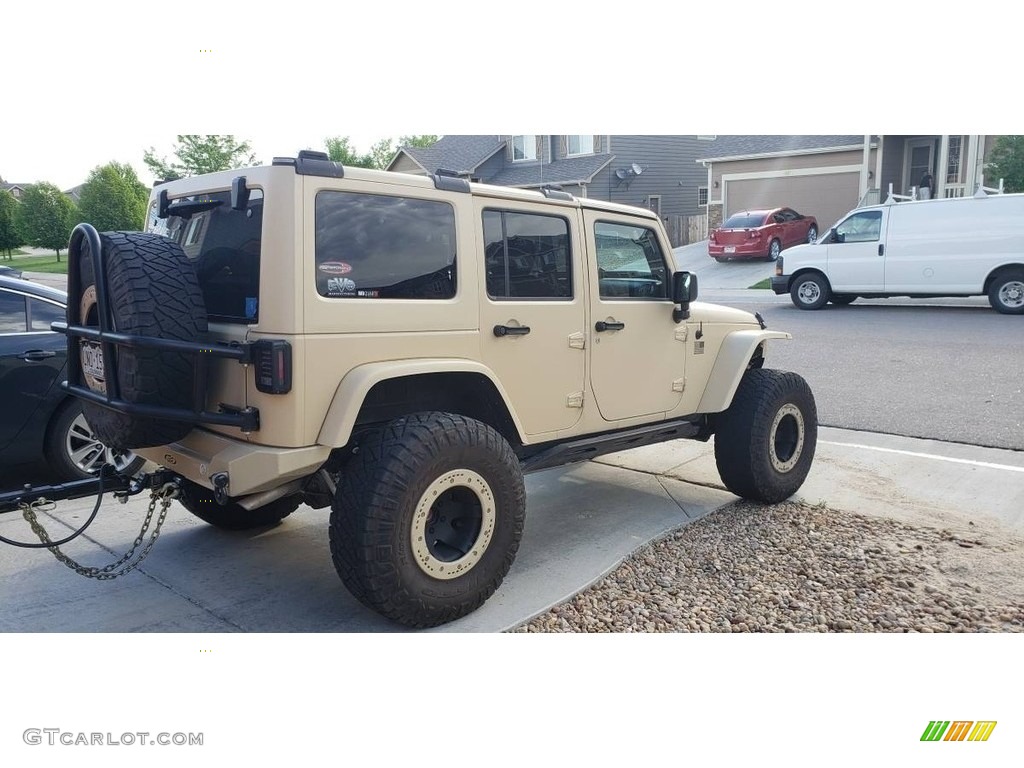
point(968, 246)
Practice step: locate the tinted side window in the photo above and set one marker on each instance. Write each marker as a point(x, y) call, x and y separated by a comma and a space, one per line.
point(630, 264)
point(12, 313)
point(42, 313)
point(527, 256)
point(380, 247)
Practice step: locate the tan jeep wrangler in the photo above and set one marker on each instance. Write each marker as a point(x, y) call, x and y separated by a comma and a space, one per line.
point(403, 349)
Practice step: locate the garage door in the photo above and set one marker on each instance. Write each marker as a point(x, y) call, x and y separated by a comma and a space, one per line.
point(827, 196)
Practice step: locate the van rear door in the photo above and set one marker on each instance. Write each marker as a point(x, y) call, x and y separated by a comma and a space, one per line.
point(856, 252)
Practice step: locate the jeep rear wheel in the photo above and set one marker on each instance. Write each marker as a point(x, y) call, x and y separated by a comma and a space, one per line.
point(232, 516)
point(427, 517)
point(765, 441)
point(153, 292)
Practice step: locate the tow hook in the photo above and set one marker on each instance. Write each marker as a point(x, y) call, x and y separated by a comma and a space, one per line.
point(220, 487)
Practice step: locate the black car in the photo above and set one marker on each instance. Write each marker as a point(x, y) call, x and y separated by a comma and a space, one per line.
point(6, 271)
point(38, 420)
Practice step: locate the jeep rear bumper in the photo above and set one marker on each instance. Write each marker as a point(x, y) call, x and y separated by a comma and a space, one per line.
point(249, 468)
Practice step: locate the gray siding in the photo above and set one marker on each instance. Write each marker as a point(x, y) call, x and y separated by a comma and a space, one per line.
point(892, 166)
point(670, 170)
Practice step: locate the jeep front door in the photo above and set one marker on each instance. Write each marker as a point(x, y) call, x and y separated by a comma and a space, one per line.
point(532, 311)
point(637, 365)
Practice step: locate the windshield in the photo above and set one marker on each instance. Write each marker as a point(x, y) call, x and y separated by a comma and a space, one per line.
point(743, 221)
point(224, 245)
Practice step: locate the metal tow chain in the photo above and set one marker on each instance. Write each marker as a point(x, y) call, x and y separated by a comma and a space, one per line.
point(163, 496)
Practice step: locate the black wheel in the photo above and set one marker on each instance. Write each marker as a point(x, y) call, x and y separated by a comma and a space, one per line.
point(720, 259)
point(765, 442)
point(1006, 293)
point(842, 299)
point(153, 292)
point(427, 518)
point(812, 234)
point(809, 290)
point(774, 249)
point(75, 453)
point(232, 516)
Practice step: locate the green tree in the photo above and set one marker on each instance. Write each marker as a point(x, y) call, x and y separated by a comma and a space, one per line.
point(340, 150)
point(113, 198)
point(10, 236)
point(198, 154)
point(1006, 162)
point(47, 216)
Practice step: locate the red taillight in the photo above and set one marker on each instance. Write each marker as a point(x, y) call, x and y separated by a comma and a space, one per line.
point(273, 363)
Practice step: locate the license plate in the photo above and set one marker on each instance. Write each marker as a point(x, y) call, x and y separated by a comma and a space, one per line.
point(92, 360)
point(730, 249)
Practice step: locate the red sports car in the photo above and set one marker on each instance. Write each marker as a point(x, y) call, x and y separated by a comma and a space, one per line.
point(761, 234)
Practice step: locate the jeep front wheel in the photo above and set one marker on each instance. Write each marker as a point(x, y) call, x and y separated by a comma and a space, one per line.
point(765, 441)
point(427, 517)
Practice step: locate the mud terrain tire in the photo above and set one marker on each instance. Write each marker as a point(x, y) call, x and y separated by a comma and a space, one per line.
point(427, 517)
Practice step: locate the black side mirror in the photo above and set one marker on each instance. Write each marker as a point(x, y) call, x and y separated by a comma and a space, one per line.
point(684, 290)
point(838, 237)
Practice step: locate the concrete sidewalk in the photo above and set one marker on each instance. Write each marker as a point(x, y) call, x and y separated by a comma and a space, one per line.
point(582, 521)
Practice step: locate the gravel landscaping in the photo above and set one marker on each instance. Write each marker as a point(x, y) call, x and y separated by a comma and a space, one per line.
point(796, 568)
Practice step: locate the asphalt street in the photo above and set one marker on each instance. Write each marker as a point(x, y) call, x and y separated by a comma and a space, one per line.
point(943, 369)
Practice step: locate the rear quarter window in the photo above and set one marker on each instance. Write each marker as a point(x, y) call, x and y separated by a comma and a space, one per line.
point(384, 247)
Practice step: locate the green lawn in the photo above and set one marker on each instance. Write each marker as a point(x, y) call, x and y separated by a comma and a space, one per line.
point(766, 283)
point(38, 263)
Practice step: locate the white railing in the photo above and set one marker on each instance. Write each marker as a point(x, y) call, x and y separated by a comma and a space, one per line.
point(871, 197)
point(955, 190)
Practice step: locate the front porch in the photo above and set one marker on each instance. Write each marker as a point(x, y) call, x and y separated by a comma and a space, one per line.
point(955, 163)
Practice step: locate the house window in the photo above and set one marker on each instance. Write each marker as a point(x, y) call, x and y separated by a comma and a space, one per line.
point(953, 160)
point(702, 195)
point(524, 147)
point(581, 145)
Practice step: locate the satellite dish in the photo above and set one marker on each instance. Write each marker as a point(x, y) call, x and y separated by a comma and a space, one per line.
point(637, 169)
point(620, 174)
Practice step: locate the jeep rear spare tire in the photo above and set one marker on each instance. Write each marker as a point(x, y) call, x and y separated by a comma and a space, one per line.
point(765, 441)
point(427, 517)
point(153, 291)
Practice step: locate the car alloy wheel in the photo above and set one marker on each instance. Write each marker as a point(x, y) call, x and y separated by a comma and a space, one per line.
point(87, 453)
point(812, 234)
point(453, 524)
point(774, 250)
point(1011, 294)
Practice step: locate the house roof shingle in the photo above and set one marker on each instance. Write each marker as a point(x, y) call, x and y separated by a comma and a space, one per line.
point(572, 170)
point(461, 154)
point(743, 146)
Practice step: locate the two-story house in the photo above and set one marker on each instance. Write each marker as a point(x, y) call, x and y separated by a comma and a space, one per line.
point(655, 172)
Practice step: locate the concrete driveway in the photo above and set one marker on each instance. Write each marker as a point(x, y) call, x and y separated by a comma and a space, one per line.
point(727, 275)
point(581, 522)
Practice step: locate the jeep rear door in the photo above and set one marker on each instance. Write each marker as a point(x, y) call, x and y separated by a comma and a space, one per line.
point(532, 309)
point(637, 365)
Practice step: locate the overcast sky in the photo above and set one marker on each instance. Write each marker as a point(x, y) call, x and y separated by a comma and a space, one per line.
point(97, 89)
